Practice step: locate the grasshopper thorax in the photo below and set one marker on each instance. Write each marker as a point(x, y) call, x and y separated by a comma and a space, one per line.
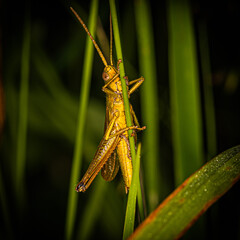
point(109, 73)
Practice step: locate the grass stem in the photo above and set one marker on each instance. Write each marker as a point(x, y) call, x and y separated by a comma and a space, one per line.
point(83, 100)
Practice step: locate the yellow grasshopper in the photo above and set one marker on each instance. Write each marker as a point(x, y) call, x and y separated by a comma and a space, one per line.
point(114, 149)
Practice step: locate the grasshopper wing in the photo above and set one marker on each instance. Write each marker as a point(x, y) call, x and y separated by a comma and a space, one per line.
point(111, 167)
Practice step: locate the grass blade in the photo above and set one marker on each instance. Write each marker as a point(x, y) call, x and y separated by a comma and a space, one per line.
point(124, 87)
point(184, 91)
point(184, 206)
point(149, 100)
point(131, 204)
point(122, 74)
point(84, 95)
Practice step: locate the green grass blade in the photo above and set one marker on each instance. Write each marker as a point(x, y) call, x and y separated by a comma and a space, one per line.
point(124, 87)
point(131, 205)
point(140, 200)
point(149, 101)
point(23, 112)
point(191, 199)
point(122, 74)
point(184, 91)
point(84, 95)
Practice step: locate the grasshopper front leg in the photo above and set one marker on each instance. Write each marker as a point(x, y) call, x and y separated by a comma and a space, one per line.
point(137, 83)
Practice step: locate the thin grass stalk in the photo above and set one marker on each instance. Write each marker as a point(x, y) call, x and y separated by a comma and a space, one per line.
point(149, 101)
point(83, 100)
point(184, 92)
point(124, 92)
point(131, 205)
point(23, 113)
point(122, 74)
point(140, 198)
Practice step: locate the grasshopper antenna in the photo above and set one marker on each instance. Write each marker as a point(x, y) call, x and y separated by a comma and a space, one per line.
point(111, 40)
point(91, 37)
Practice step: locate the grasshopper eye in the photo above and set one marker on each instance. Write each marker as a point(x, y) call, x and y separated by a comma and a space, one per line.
point(105, 76)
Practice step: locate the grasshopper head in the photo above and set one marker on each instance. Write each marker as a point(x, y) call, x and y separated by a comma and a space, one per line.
point(108, 73)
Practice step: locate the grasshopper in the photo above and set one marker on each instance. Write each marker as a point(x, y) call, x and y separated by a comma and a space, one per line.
point(114, 148)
